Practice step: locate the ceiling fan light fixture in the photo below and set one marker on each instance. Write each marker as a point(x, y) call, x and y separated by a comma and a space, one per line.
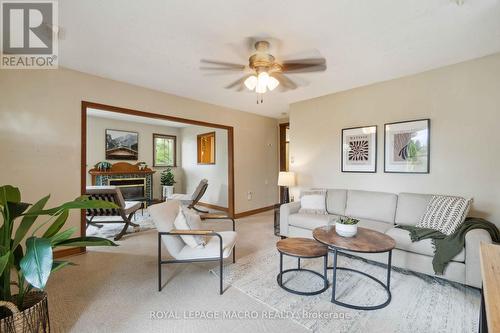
point(262, 81)
point(272, 83)
point(251, 82)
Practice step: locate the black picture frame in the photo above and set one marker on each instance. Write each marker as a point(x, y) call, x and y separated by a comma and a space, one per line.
point(428, 148)
point(374, 169)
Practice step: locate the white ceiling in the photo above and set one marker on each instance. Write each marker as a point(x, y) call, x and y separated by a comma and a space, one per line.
point(135, 119)
point(158, 44)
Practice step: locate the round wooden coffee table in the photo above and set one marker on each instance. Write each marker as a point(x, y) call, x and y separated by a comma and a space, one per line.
point(302, 248)
point(365, 241)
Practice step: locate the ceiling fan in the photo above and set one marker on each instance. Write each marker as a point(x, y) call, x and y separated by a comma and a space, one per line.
point(263, 73)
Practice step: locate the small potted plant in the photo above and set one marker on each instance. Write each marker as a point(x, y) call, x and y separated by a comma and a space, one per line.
point(167, 181)
point(346, 226)
point(103, 166)
point(26, 256)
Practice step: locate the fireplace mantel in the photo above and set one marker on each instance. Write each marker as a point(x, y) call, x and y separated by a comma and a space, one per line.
point(123, 170)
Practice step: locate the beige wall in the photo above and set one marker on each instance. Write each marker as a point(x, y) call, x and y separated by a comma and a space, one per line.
point(96, 129)
point(216, 174)
point(463, 103)
point(40, 126)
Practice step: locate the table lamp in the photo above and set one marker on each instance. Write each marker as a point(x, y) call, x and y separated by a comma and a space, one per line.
point(286, 179)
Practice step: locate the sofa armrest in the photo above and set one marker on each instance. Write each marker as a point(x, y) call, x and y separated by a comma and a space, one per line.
point(472, 261)
point(285, 211)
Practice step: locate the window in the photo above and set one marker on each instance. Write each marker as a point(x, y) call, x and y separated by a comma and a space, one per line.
point(206, 148)
point(164, 150)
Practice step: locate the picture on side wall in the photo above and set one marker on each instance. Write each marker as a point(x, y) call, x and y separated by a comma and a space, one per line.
point(407, 146)
point(359, 149)
point(122, 145)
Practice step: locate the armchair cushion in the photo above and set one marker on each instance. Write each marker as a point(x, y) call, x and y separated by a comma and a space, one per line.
point(211, 249)
point(186, 220)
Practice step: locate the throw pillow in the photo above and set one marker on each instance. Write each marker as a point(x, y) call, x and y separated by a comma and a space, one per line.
point(313, 202)
point(445, 213)
point(187, 220)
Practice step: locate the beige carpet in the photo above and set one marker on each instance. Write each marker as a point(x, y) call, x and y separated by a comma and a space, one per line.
point(115, 289)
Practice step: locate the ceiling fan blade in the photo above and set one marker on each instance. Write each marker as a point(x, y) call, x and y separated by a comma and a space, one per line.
point(229, 69)
point(304, 65)
point(237, 82)
point(222, 63)
point(285, 81)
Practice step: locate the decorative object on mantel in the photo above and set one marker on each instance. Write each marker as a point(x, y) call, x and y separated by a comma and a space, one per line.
point(122, 145)
point(346, 226)
point(286, 179)
point(407, 146)
point(167, 181)
point(102, 166)
point(135, 183)
point(142, 165)
point(31, 263)
point(359, 149)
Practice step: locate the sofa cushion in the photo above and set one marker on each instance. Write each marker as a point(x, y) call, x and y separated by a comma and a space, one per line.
point(411, 208)
point(375, 225)
point(425, 247)
point(336, 201)
point(377, 206)
point(309, 221)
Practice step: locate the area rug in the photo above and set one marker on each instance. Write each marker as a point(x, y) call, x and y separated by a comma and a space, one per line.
point(420, 303)
point(109, 230)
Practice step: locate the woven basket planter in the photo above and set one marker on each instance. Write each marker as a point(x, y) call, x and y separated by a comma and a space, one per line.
point(32, 318)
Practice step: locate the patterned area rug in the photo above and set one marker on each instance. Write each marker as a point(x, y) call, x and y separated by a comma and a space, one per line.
point(109, 230)
point(419, 303)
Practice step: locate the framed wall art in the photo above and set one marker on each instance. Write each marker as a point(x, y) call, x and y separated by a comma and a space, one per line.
point(359, 149)
point(407, 146)
point(122, 145)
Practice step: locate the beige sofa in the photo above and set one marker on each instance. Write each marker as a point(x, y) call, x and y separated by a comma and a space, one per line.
point(382, 211)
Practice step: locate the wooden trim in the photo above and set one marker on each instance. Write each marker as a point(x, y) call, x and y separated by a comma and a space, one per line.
point(198, 148)
point(282, 153)
point(230, 138)
point(224, 209)
point(489, 255)
point(164, 136)
point(254, 211)
point(117, 109)
point(69, 252)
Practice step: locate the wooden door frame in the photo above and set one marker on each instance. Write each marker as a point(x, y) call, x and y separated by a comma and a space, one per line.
point(104, 107)
point(282, 151)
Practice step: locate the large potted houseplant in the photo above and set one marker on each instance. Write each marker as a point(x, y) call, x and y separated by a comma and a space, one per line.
point(26, 255)
point(167, 181)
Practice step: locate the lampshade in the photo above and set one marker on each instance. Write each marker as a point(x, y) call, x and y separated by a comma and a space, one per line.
point(286, 178)
point(251, 82)
point(272, 83)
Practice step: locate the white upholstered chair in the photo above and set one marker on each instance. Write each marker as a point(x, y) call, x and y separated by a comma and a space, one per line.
point(192, 199)
point(218, 247)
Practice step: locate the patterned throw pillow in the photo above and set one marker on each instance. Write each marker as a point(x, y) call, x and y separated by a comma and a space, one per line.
point(187, 220)
point(445, 213)
point(313, 202)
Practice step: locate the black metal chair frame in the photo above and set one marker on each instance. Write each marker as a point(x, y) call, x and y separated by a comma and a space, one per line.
point(180, 261)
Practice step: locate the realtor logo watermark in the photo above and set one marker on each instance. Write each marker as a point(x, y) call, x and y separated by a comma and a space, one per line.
point(29, 35)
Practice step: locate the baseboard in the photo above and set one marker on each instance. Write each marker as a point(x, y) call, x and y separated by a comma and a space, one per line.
point(253, 212)
point(69, 252)
point(224, 209)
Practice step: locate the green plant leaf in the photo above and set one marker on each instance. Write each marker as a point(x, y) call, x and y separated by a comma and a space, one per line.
point(57, 265)
point(87, 241)
point(82, 202)
point(56, 225)
point(16, 209)
point(37, 263)
point(18, 256)
point(28, 220)
point(62, 236)
point(4, 260)
point(9, 193)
